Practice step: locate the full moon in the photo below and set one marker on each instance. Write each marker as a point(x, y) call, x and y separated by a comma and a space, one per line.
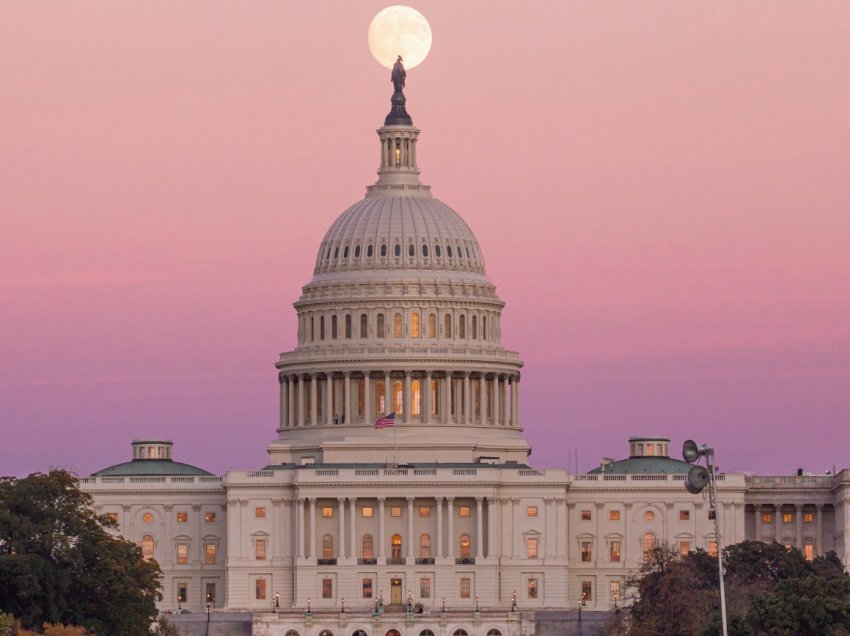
point(399, 30)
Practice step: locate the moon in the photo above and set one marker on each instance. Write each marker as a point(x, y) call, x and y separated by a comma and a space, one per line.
point(399, 30)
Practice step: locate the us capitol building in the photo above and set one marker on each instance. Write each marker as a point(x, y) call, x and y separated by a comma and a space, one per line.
point(437, 525)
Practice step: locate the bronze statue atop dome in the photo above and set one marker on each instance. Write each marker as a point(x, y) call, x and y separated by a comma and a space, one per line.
point(398, 75)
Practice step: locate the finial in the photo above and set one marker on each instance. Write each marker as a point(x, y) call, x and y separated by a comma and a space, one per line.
point(398, 113)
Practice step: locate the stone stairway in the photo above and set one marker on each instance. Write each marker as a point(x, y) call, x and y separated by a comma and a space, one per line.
point(557, 623)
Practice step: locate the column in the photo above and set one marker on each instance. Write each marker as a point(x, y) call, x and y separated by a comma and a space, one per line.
point(819, 531)
point(506, 402)
point(514, 502)
point(445, 398)
point(426, 399)
point(381, 553)
point(314, 403)
point(450, 539)
point(284, 400)
point(516, 402)
point(389, 407)
point(301, 377)
point(467, 419)
point(410, 552)
point(406, 397)
point(479, 528)
point(439, 501)
point(329, 396)
point(346, 418)
point(367, 399)
point(496, 415)
point(482, 397)
point(291, 401)
point(312, 553)
point(277, 521)
point(352, 549)
point(340, 553)
point(777, 522)
point(491, 527)
point(798, 519)
point(511, 416)
point(299, 524)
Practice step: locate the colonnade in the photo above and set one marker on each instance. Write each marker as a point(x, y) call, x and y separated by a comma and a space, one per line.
point(326, 398)
point(779, 528)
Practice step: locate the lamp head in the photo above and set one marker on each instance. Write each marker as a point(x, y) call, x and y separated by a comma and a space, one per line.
point(691, 451)
point(696, 480)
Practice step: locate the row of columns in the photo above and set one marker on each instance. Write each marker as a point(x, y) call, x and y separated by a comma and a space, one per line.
point(498, 406)
point(778, 523)
point(381, 547)
point(406, 145)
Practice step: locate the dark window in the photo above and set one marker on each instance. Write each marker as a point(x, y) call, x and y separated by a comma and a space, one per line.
point(328, 254)
point(357, 252)
point(348, 325)
point(369, 251)
point(364, 324)
point(459, 251)
point(449, 251)
point(467, 253)
point(411, 250)
point(424, 250)
point(336, 252)
point(383, 250)
point(397, 249)
point(321, 327)
point(345, 252)
point(333, 327)
point(437, 252)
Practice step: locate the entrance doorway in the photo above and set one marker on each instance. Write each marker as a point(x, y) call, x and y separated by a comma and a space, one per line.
point(395, 592)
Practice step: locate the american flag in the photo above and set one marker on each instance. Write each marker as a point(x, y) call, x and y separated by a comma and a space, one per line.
point(387, 420)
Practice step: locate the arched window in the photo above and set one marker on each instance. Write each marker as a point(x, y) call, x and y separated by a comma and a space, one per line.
point(291, 632)
point(380, 407)
point(369, 251)
point(364, 326)
point(312, 327)
point(327, 547)
point(397, 333)
point(435, 399)
point(395, 542)
point(459, 251)
point(357, 251)
point(449, 251)
point(648, 542)
point(147, 547)
point(426, 632)
point(348, 326)
point(494, 632)
point(465, 547)
point(462, 326)
point(432, 325)
point(484, 327)
point(437, 251)
point(380, 327)
point(321, 327)
point(447, 326)
point(414, 325)
point(368, 548)
point(334, 328)
point(416, 397)
point(397, 249)
point(460, 632)
point(425, 546)
point(326, 632)
point(425, 250)
point(411, 251)
point(383, 250)
point(475, 327)
point(398, 398)
point(361, 396)
point(345, 252)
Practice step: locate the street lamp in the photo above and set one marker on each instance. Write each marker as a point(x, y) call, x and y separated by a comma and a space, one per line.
point(444, 605)
point(276, 601)
point(476, 605)
point(513, 602)
point(409, 603)
point(308, 606)
point(581, 604)
point(343, 604)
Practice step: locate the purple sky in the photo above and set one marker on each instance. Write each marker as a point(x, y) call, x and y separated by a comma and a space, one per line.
point(660, 190)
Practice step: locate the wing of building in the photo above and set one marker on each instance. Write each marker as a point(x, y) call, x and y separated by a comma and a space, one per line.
point(435, 520)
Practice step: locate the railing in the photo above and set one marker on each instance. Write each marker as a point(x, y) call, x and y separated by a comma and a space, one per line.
point(325, 561)
point(261, 473)
point(527, 472)
point(464, 471)
point(396, 560)
point(367, 561)
point(646, 477)
point(424, 561)
point(327, 472)
point(424, 471)
point(152, 479)
point(394, 472)
point(465, 561)
point(790, 481)
point(366, 472)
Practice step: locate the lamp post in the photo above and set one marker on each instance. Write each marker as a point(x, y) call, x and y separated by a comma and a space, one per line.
point(276, 601)
point(409, 603)
point(513, 602)
point(207, 630)
point(343, 604)
point(381, 598)
point(444, 605)
point(581, 603)
point(476, 605)
point(308, 606)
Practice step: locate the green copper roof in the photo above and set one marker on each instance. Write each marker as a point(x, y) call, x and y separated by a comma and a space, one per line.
point(150, 467)
point(646, 465)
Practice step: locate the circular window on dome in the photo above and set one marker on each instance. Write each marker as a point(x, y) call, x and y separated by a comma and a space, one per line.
point(147, 517)
point(649, 515)
point(369, 251)
point(411, 251)
point(345, 252)
point(437, 251)
point(424, 250)
point(357, 252)
point(397, 249)
point(449, 251)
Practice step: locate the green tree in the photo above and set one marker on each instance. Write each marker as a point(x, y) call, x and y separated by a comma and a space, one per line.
point(60, 565)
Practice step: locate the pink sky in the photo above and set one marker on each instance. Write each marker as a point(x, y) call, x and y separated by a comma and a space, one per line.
point(660, 190)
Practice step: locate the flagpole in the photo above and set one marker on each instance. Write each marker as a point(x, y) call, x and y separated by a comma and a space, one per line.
point(395, 441)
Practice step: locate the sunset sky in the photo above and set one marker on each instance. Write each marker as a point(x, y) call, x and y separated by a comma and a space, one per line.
point(661, 191)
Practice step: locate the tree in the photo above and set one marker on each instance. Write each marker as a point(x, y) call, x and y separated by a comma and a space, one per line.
point(60, 565)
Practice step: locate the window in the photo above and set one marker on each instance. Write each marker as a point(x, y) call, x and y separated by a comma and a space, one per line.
point(182, 517)
point(424, 587)
point(291, 632)
point(147, 547)
point(383, 250)
point(259, 513)
point(465, 511)
point(684, 548)
point(348, 326)
point(395, 511)
point(586, 515)
point(380, 326)
point(209, 551)
point(397, 249)
point(366, 587)
point(462, 326)
point(809, 551)
point(327, 588)
point(614, 552)
point(147, 517)
point(364, 325)
point(210, 595)
point(416, 397)
point(395, 544)
point(424, 511)
point(531, 547)
point(787, 517)
point(336, 252)
point(712, 514)
point(425, 546)
point(648, 542)
point(327, 512)
point(369, 251)
point(465, 587)
point(587, 590)
point(586, 551)
point(684, 515)
point(465, 547)
point(397, 326)
point(532, 588)
point(447, 326)
point(614, 591)
point(357, 251)
point(712, 548)
point(209, 517)
point(767, 517)
point(367, 549)
point(367, 511)
point(432, 325)
point(334, 327)
point(531, 511)
point(182, 553)
point(345, 252)
point(260, 590)
point(411, 251)
point(648, 515)
point(260, 549)
point(613, 515)
point(414, 325)
point(327, 547)
point(182, 592)
point(424, 250)
point(437, 251)
point(475, 327)
point(321, 327)
point(808, 517)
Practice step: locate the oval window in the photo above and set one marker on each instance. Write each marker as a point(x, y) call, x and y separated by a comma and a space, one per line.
point(369, 251)
point(467, 253)
point(345, 252)
point(459, 251)
point(357, 252)
point(397, 249)
point(649, 515)
point(336, 252)
point(383, 250)
point(437, 251)
point(424, 250)
point(411, 250)
point(449, 251)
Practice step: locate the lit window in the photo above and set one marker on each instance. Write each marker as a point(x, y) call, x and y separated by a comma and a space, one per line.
point(767, 517)
point(465, 511)
point(366, 587)
point(395, 546)
point(368, 551)
point(531, 511)
point(260, 549)
point(465, 547)
point(209, 517)
point(395, 511)
point(648, 542)
point(260, 513)
point(182, 593)
point(808, 517)
point(587, 591)
point(397, 326)
point(260, 590)
point(614, 591)
point(613, 515)
point(586, 551)
point(809, 551)
point(327, 547)
point(147, 547)
point(684, 548)
point(425, 546)
point(367, 511)
point(414, 324)
point(465, 587)
point(182, 553)
point(182, 517)
point(327, 588)
point(684, 515)
point(532, 547)
point(614, 552)
point(586, 516)
point(432, 325)
point(712, 548)
point(210, 550)
point(787, 517)
point(424, 587)
point(147, 517)
point(649, 515)
point(327, 512)
point(424, 511)
point(532, 588)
